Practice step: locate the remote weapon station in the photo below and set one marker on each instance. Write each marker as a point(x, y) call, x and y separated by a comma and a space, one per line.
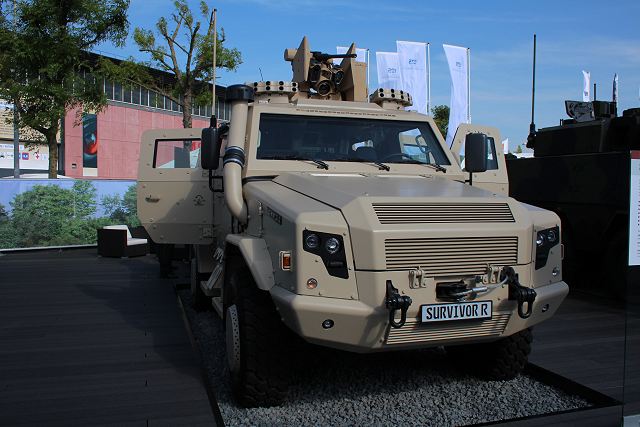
point(347, 221)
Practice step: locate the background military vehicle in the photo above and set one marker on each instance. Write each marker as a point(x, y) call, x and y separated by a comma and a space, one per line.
point(581, 171)
point(351, 225)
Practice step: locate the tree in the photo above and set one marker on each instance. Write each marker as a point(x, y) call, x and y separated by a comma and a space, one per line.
point(122, 210)
point(519, 149)
point(43, 66)
point(182, 50)
point(50, 215)
point(7, 233)
point(441, 117)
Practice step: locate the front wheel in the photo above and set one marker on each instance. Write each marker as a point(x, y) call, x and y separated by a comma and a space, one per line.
point(499, 360)
point(255, 339)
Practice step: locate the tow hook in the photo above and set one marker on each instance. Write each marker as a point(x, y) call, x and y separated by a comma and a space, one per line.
point(394, 301)
point(518, 292)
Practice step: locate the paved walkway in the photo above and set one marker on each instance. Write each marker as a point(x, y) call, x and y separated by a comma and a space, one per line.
point(86, 340)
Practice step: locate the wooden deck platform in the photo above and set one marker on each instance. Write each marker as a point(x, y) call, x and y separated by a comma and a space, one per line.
point(94, 341)
point(99, 341)
point(584, 342)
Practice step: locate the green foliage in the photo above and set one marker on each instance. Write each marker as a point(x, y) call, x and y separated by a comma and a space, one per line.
point(441, 117)
point(183, 46)
point(48, 215)
point(519, 149)
point(7, 233)
point(42, 58)
point(122, 210)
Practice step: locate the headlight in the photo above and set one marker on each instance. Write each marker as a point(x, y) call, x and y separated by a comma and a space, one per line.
point(312, 241)
point(332, 245)
point(330, 248)
point(545, 240)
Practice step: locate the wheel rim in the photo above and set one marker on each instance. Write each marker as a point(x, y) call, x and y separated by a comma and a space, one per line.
point(232, 338)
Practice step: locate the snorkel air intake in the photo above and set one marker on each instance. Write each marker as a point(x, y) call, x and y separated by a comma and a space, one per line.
point(233, 161)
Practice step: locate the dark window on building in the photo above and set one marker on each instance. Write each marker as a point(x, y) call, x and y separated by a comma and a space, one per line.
point(144, 96)
point(135, 95)
point(126, 94)
point(108, 89)
point(117, 91)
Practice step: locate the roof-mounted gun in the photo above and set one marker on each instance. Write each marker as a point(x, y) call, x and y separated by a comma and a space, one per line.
point(318, 77)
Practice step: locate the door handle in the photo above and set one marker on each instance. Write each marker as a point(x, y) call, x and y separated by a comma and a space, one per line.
point(152, 199)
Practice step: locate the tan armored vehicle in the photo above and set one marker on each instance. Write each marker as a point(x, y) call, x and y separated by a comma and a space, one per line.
point(351, 224)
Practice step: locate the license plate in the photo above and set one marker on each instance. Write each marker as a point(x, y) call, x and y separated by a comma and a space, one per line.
point(456, 311)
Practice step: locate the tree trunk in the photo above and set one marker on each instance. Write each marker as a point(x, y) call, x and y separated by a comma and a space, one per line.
point(186, 111)
point(52, 142)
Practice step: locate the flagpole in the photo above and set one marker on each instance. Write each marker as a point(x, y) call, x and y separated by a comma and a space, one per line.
point(213, 71)
point(468, 85)
point(368, 66)
point(428, 78)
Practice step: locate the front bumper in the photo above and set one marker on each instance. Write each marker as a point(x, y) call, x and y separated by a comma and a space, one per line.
point(362, 328)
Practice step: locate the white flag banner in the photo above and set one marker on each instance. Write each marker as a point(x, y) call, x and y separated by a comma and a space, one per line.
point(586, 91)
point(412, 57)
point(505, 146)
point(361, 54)
point(388, 70)
point(614, 97)
point(457, 57)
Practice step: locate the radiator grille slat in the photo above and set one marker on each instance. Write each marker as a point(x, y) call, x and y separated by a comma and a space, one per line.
point(416, 332)
point(451, 256)
point(433, 213)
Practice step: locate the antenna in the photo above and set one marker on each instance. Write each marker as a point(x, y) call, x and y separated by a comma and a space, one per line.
point(532, 126)
point(261, 77)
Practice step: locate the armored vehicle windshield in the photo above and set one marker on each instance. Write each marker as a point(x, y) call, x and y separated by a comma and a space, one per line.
point(295, 137)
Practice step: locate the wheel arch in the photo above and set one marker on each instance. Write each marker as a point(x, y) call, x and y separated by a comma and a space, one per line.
point(255, 255)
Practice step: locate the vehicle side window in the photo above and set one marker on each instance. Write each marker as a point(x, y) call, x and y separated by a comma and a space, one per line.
point(492, 157)
point(176, 154)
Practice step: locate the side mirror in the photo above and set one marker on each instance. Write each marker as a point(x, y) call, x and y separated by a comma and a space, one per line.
point(210, 149)
point(475, 152)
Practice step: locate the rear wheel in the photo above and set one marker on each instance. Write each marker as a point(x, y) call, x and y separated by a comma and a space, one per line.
point(500, 360)
point(254, 339)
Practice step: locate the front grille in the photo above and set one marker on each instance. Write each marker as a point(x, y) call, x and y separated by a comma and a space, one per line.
point(433, 213)
point(416, 332)
point(451, 256)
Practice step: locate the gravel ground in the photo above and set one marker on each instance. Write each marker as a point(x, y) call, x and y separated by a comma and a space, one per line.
point(398, 388)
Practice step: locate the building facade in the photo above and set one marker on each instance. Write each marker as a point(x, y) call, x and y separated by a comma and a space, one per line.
point(105, 145)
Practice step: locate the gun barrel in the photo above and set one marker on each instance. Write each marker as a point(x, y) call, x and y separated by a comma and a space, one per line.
point(319, 56)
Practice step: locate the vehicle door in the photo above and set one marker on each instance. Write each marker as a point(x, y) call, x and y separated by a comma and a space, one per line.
point(175, 204)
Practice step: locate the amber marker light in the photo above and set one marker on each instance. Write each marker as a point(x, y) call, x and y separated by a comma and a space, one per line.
point(312, 283)
point(285, 260)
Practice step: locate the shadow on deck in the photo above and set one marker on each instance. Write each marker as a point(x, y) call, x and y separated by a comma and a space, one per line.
point(90, 340)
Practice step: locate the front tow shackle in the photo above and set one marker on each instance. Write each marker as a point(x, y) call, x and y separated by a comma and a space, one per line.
point(394, 301)
point(517, 292)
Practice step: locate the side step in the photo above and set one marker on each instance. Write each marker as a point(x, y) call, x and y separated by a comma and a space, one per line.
point(212, 287)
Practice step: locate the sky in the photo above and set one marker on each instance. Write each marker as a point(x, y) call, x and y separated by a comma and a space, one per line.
point(572, 36)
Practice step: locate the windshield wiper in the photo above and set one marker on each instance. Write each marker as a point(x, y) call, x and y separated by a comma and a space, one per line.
point(417, 162)
point(380, 165)
point(437, 167)
point(320, 163)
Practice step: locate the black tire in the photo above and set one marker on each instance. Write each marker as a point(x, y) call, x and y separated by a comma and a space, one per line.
point(498, 360)
point(200, 301)
point(257, 364)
